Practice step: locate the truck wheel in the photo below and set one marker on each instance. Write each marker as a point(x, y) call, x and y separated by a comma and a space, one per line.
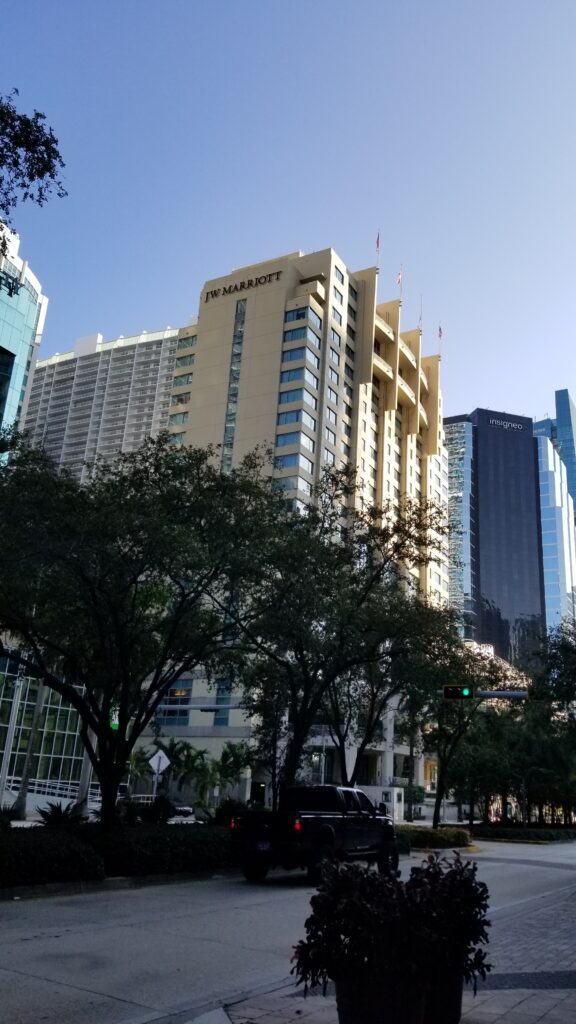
point(323, 855)
point(255, 870)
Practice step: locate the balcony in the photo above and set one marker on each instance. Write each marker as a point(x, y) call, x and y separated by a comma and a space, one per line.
point(422, 414)
point(406, 351)
point(407, 390)
point(381, 367)
point(424, 381)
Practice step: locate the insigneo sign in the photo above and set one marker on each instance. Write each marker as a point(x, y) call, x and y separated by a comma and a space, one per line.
point(242, 286)
point(506, 424)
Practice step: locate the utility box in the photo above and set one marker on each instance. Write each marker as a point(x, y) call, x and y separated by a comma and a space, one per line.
point(393, 797)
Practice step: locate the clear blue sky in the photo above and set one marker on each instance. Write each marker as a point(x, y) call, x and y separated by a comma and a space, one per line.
point(201, 135)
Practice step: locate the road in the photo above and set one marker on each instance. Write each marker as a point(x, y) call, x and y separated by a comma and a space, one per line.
point(168, 953)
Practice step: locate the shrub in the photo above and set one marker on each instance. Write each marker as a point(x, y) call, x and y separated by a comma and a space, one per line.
point(518, 834)
point(422, 838)
point(162, 849)
point(227, 810)
point(158, 812)
point(58, 816)
point(38, 856)
point(7, 816)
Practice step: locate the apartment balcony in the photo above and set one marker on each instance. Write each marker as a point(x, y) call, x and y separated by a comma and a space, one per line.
point(406, 390)
point(407, 353)
point(314, 287)
point(422, 414)
point(424, 381)
point(381, 368)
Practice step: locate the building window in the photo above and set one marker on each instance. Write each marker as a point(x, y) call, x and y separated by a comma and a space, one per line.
point(329, 457)
point(287, 461)
point(330, 415)
point(347, 409)
point(336, 316)
point(186, 343)
point(332, 395)
point(308, 420)
point(348, 371)
point(352, 293)
point(291, 396)
point(333, 374)
point(306, 464)
point(177, 438)
point(334, 356)
point(178, 419)
point(185, 378)
point(350, 353)
point(313, 380)
point(304, 486)
point(307, 442)
point(303, 313)
point(182, 399)
point(288, 417)
point(335, 337)
point(349, 392)
point(299, 333)
point(351, 312)
point(185, 360)
point(337, 295)
point(345, 449)
point(296, 374)
point(346, 429)
point(339, 275)
point(330, 435)
point(310, 400)
point(282, 440)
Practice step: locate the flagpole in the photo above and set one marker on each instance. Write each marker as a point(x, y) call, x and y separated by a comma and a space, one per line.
point(378, 251)
point(400, 280)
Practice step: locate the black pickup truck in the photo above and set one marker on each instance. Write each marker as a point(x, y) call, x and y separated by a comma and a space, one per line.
point(314, 823)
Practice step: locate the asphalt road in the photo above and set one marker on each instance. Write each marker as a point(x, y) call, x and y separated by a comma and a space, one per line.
point(168, 953)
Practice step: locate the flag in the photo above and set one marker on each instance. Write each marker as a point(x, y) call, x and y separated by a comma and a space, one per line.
point(439, 333)
point(378, 242)
point(399, 278)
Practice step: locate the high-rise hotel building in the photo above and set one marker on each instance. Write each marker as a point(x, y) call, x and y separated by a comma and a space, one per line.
point(297, 353)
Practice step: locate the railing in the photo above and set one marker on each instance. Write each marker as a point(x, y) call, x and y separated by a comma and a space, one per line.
point(50, 787)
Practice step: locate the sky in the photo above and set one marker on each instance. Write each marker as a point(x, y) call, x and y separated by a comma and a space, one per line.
point(203, 135)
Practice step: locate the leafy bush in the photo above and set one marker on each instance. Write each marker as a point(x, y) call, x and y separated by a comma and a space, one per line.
point(518, 834)
point(150, 850)
point(7, 816)
point(422, 838)
point(38, 856)
point(58, 816)
point(227, 810)
point(158, 812)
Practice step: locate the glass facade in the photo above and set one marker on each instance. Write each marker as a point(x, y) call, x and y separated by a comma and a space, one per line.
point(497, 512)
point(558, 536)
point(562, 432)
point(463, 527)
point(22, 313)
point(59, 751)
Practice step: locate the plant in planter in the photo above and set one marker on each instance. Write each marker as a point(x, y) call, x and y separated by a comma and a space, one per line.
point(368, 934)
point(398, 952)
point(455, 905)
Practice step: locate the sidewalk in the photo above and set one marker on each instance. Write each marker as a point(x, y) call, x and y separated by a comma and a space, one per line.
point(533, 950)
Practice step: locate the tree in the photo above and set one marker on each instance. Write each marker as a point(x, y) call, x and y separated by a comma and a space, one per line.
point(319, 614)
point(113, 590)
point(30, 161)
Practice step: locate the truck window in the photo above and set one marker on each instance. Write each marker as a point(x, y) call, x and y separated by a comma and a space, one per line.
point(352, 806)
point(365, 802)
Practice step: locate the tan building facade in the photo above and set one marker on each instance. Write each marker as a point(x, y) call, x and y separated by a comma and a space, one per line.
point(296, 353)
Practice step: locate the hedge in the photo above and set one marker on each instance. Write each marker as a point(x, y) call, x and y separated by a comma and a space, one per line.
point(39, 856)
point(36, 857)
point(422, 838)
point(159, 849)
point(518, 834)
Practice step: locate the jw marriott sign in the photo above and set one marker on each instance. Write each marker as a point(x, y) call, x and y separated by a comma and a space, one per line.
point(242, 286)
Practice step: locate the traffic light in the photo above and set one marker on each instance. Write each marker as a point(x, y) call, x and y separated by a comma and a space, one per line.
point(458, 692)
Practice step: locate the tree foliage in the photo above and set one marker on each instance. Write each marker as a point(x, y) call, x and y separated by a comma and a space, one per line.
point(115, 589)
point(30, 161)
point(328, 610)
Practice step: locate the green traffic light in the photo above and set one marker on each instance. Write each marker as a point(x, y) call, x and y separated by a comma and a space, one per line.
point(465, 691)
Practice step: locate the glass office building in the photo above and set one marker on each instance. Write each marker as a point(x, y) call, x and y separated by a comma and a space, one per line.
point(561, 431)
point(558, 536)
point(22, 315)
point(496, 548)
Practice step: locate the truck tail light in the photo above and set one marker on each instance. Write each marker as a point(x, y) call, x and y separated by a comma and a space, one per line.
point(232, 824)
point(297, 825)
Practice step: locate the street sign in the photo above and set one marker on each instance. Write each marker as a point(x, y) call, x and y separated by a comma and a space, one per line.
point(158, 762)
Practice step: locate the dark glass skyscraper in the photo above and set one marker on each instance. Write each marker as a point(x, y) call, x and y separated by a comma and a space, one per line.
point(496, 547)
